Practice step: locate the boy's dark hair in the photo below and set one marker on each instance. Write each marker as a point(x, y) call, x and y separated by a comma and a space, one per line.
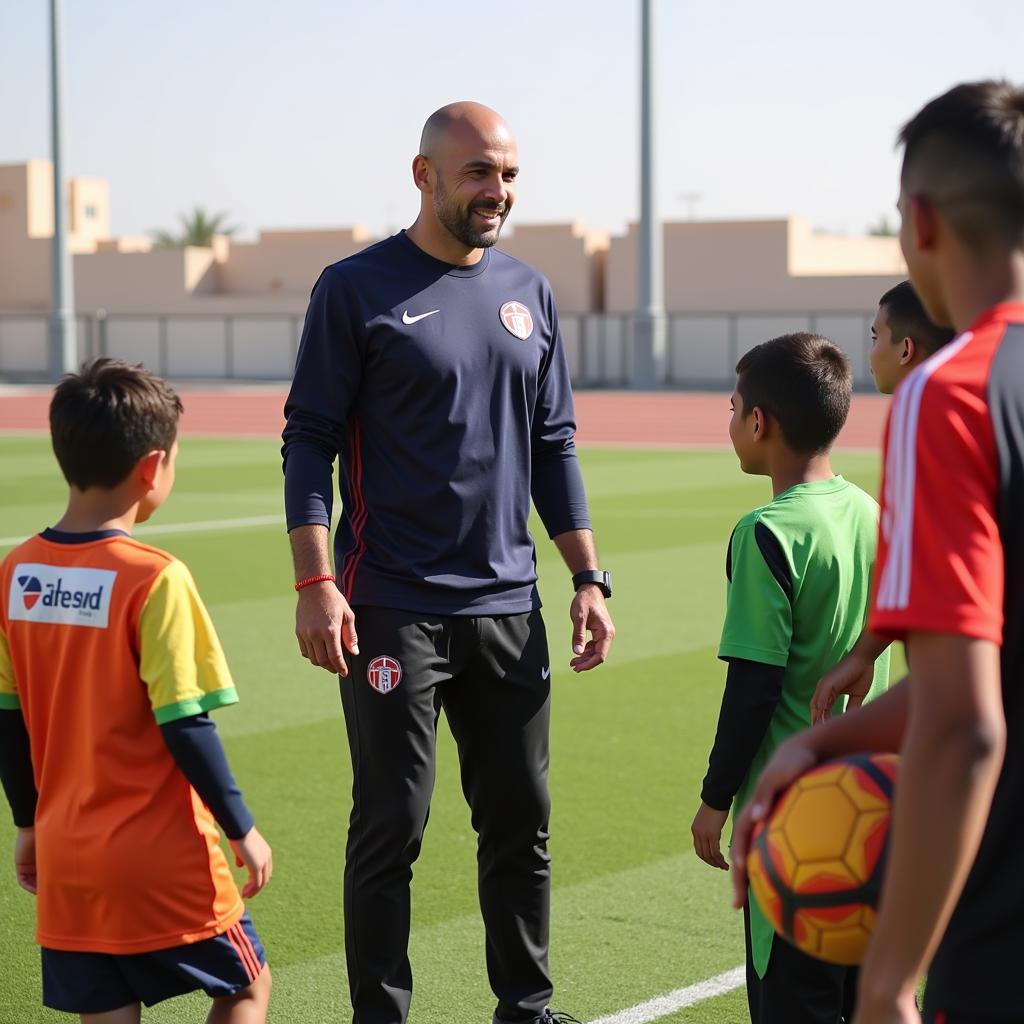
point(965, 151)
point(106, 417)
point(803, 381)
point(907, 319)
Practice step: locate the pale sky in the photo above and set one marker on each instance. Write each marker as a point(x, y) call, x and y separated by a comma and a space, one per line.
point(307, 113)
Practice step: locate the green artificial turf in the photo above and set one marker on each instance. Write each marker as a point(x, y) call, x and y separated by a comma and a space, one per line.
point(635, 914)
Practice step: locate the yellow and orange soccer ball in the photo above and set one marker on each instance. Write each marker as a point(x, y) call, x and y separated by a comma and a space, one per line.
point(815, 864)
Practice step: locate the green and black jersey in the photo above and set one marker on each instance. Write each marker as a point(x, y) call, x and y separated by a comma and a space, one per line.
point(799, 582)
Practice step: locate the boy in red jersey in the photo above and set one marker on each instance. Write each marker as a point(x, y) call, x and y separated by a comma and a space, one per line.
point(109, 664)
point(949, 581)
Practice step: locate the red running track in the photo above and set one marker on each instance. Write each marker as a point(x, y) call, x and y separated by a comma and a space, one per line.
point(604, 417)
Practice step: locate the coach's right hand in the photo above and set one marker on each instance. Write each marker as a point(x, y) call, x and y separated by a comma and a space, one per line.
point(323, 623)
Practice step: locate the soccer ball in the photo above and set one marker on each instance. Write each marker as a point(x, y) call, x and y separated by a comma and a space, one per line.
point(815, 864)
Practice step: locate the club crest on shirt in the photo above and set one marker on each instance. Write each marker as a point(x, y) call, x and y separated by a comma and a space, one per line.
point(516, 319)
point(384, 673)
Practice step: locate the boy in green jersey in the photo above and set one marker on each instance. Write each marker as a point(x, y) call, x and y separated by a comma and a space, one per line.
point(799, 578)
point(902, 338)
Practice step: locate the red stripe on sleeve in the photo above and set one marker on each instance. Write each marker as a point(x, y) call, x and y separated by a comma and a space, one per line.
point(359, 513)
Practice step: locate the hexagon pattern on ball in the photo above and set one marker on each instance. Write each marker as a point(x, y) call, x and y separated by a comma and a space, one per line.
point(815, 864)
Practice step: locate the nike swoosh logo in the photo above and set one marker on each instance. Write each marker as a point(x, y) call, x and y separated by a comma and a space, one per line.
point(545, 672)
point(406, 319)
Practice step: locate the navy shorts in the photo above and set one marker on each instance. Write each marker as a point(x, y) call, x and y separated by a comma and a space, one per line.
point(101, 982)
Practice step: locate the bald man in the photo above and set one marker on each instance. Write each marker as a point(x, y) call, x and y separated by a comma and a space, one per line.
point(432, 367)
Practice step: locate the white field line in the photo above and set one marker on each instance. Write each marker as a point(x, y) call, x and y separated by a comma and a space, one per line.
point(642, 1013)
point(193, 527)
point(662, 1006)
point(211, 524)
point(450, 950)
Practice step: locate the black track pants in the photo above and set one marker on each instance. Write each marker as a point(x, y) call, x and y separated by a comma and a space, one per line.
point(492, 677)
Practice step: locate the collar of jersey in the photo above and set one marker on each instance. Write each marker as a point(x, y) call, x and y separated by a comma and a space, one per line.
point(64, 537)
point(1007, 312)
point(834, 483)
point(450, 269)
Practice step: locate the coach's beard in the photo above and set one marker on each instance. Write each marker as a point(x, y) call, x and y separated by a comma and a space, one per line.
point(460, 222)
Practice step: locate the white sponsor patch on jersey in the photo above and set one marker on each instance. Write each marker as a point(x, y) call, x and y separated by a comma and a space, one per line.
point(67, 597)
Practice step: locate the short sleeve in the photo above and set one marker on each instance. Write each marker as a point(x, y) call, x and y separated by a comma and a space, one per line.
point(758, 614)
point(9, 700)
point(181, 661)
point(940, 559)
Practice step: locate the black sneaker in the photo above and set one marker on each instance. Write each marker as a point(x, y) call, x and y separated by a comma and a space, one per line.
point(549, 1017)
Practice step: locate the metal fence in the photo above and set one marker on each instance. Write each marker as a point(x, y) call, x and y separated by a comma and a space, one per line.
point(701, 348)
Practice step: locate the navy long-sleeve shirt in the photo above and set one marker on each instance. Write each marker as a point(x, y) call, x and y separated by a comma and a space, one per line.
point(197, 751)
point(444, 392)
point(192, 741)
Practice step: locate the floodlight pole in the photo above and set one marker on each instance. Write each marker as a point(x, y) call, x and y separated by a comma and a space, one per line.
point(63, 349)
point(649, 316)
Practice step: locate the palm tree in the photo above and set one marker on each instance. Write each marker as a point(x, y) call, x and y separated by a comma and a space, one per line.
point(882, 229)
point(197, 228)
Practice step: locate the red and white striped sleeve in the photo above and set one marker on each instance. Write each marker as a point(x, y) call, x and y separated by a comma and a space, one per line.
point(939, 566)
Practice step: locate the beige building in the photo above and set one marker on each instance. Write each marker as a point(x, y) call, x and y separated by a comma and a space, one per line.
point(235, 308)
point(732, 284)
point(274, 274)
point(26, 227)
point(758, 266)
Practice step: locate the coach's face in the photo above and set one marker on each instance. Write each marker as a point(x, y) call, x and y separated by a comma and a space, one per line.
point(474, 175)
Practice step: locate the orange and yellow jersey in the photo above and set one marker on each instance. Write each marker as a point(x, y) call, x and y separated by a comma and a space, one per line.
point(102, 640)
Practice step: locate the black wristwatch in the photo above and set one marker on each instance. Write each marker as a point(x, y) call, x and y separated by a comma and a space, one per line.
point(599, 576)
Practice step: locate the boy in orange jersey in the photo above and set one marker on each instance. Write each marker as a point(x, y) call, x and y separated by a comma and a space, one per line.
point(109, 664)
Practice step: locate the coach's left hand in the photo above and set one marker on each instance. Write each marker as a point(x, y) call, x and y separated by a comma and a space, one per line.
point(589, 613)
